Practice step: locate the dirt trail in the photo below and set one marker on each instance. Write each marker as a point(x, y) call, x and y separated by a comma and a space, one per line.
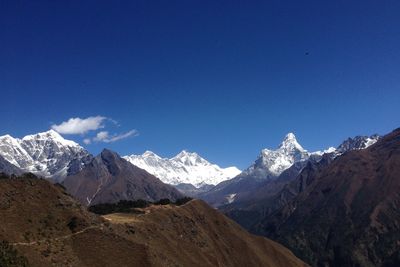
point(56, 238)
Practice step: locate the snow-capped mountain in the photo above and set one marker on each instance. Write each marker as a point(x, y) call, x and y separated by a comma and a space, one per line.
point(47, 154)
point(357, 143)
point(184, 168)
point(274, 167)
point(271, 163)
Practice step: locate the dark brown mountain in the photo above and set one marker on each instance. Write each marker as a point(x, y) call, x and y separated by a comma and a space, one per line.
point(348, 212)
point(108, 178)
point(240, 185)
point(251, 208)
point(43, 226)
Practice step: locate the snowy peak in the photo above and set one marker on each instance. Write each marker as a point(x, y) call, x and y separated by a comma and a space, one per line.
point(351, 143)
point(50, 136)
point(47, 154)
point(290, 143)
point(271, 163)
point(148, 153)
point(186, 167)
point(190, 158)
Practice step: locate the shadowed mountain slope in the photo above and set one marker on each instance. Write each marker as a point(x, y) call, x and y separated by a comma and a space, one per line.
point(108, 178)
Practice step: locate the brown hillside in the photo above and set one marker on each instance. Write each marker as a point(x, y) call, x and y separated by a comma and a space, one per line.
point(197, 235)
point(49, 228)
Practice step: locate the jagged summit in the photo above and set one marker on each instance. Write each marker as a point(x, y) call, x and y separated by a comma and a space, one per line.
point(271, 163)
point(186, 167)
point(46, 135)
point(50, 136)
point(290, 142)
point(149, 153)
point(190, 158)
point(107, 151)
point(289, 138)
point(184, 154)
point(49, 133)
point(357, 143)
point(46, 154)
point(108, 155)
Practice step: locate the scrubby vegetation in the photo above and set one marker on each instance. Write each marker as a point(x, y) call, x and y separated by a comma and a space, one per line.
point(123, 206)
point(183, 200)
point(163, 201)
point(132, 206)
point(27, 175)
point(9, 256)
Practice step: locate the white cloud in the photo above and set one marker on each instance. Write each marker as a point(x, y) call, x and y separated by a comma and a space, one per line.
point(105, 137)
point(87, 141)
point(101, 136)
point(79, 126)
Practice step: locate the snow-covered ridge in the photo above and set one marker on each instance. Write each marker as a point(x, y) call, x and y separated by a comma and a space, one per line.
point(271, 163)
point(357, 143)
point(47, 154)
point(185, 167)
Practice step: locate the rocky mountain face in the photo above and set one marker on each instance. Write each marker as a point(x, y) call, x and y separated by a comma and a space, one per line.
point(8, 168)
point(46, 154)
point(184, 168)
point(346, 212)
point(109, 178)
point(357, 143)
point(43, 226)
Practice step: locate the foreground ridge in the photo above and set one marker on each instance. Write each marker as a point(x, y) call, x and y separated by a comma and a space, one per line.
point(49, 228)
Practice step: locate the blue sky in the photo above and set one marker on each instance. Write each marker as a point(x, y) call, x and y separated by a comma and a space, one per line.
point(225, 79)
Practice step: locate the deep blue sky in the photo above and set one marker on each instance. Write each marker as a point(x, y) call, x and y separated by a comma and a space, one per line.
point(223, 78)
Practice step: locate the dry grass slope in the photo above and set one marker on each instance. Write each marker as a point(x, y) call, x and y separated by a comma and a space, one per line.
point(49, 228)
point(197, 235)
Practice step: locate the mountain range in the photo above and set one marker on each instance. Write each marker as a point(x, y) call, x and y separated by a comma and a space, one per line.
point(185, 168)
point(49, 155)
point(337, 207)
point(270, 164)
